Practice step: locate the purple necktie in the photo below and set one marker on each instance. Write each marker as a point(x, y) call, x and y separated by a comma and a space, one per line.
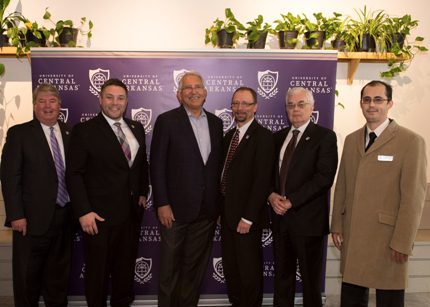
point(233, 146)
point(123, 141)
point(62, 195)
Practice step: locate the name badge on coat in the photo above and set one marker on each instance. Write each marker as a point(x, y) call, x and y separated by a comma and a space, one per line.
point(385, 158)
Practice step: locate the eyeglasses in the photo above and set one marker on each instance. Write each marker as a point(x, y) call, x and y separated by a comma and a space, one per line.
point(300, 105)
point(376, 100)
point(190, 88)
point(236, 104)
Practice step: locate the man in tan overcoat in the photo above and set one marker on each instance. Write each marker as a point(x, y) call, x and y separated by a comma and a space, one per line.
point(378, 202)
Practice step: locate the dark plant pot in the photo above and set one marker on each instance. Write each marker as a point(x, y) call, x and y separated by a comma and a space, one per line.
point(68, 37)
point(317, 39)
point(396, 38)
point(260, 43)
point(367, 43)
point(338, 44)
point(4, 40)
point(225, 39)
point(35, 41)
point(285, 36)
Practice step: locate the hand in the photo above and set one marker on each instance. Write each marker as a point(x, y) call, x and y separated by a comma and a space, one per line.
point(337, 240)
point(398, 257)
point(88, 223)
point(243, 227)
point(20, 225)
point(142, 202)
point(279, 204)
point(165, 215)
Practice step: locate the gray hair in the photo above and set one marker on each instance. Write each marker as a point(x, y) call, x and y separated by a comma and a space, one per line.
point(296, 90)
point(46, 87)
point(190, 73)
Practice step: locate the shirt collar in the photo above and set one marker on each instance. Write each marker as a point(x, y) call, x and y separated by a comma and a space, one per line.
point(245, 127)
point(202, 114)
point(302, 128)
point(380, 128)
point(111, 121)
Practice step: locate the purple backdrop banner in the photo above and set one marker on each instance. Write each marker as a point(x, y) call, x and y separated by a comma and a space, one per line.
point(152, 80)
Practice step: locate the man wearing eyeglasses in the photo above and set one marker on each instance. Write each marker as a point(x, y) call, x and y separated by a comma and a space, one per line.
point(185, 168)
point(305, 170)
point(245, 184)
point(379, 197)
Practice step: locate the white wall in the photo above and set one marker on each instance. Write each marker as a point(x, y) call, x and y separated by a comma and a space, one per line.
point(174, 24)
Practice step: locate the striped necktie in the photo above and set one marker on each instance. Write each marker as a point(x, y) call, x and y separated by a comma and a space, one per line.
point(62, 195)
point(123, 141)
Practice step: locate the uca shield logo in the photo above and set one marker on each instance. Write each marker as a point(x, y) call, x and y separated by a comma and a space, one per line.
point(177, 76)
point(144, 116)
point(266, 238)
point(218, 273)
point(315, 116)
point(97, 78)
point(142, 270)
point(226, 116)
point(267, 81)
point(64, 115)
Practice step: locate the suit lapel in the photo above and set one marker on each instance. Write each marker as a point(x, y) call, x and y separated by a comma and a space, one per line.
point(245, 139)
point(137, 132)
point(109, 134)
point(385, 137)
point(40, 135)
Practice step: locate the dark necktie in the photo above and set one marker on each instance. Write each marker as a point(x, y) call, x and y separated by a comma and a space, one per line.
point(123, 141)
point(62, 195)
point(288, 154)
point(372, 137)
point(233, 146)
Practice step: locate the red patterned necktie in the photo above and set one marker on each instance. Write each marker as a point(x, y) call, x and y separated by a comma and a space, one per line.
point(288, 154)
point(233, 146)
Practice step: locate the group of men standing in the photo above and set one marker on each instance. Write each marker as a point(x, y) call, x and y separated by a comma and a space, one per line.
point(99, 172)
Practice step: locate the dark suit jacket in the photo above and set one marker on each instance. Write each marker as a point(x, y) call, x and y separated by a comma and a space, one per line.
point(310, 177)
point(98, 176)
point(28, 176)
point(178, 175)
point(249, 177)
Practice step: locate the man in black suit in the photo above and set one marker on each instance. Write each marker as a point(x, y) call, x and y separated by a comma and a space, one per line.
point(185, 166)
point(108, 183)
point(37, 203)
point(245, 184)
point(307, 165)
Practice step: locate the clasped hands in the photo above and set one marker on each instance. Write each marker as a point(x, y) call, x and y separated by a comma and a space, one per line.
point(279, 203)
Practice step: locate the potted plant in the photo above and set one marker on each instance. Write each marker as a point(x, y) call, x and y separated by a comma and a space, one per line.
point(367, 29)
point(65, 34)
point(256, 33)
point(315, 34)
point(288, 29)
point(336, 31)
point(224, 33)
point(397, 30)
point(8, 23)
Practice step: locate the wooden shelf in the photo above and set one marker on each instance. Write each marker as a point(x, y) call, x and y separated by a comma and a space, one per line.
point(354, 58)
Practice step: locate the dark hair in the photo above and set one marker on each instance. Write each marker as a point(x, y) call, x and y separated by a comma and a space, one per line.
point(388, 88)
point(46, 87)
point(115, 82)
point(248, 89)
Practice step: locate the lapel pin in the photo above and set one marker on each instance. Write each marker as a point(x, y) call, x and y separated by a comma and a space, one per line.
point(132, 126)
point(247, 136)
point(308, 138)
point(67, 132)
